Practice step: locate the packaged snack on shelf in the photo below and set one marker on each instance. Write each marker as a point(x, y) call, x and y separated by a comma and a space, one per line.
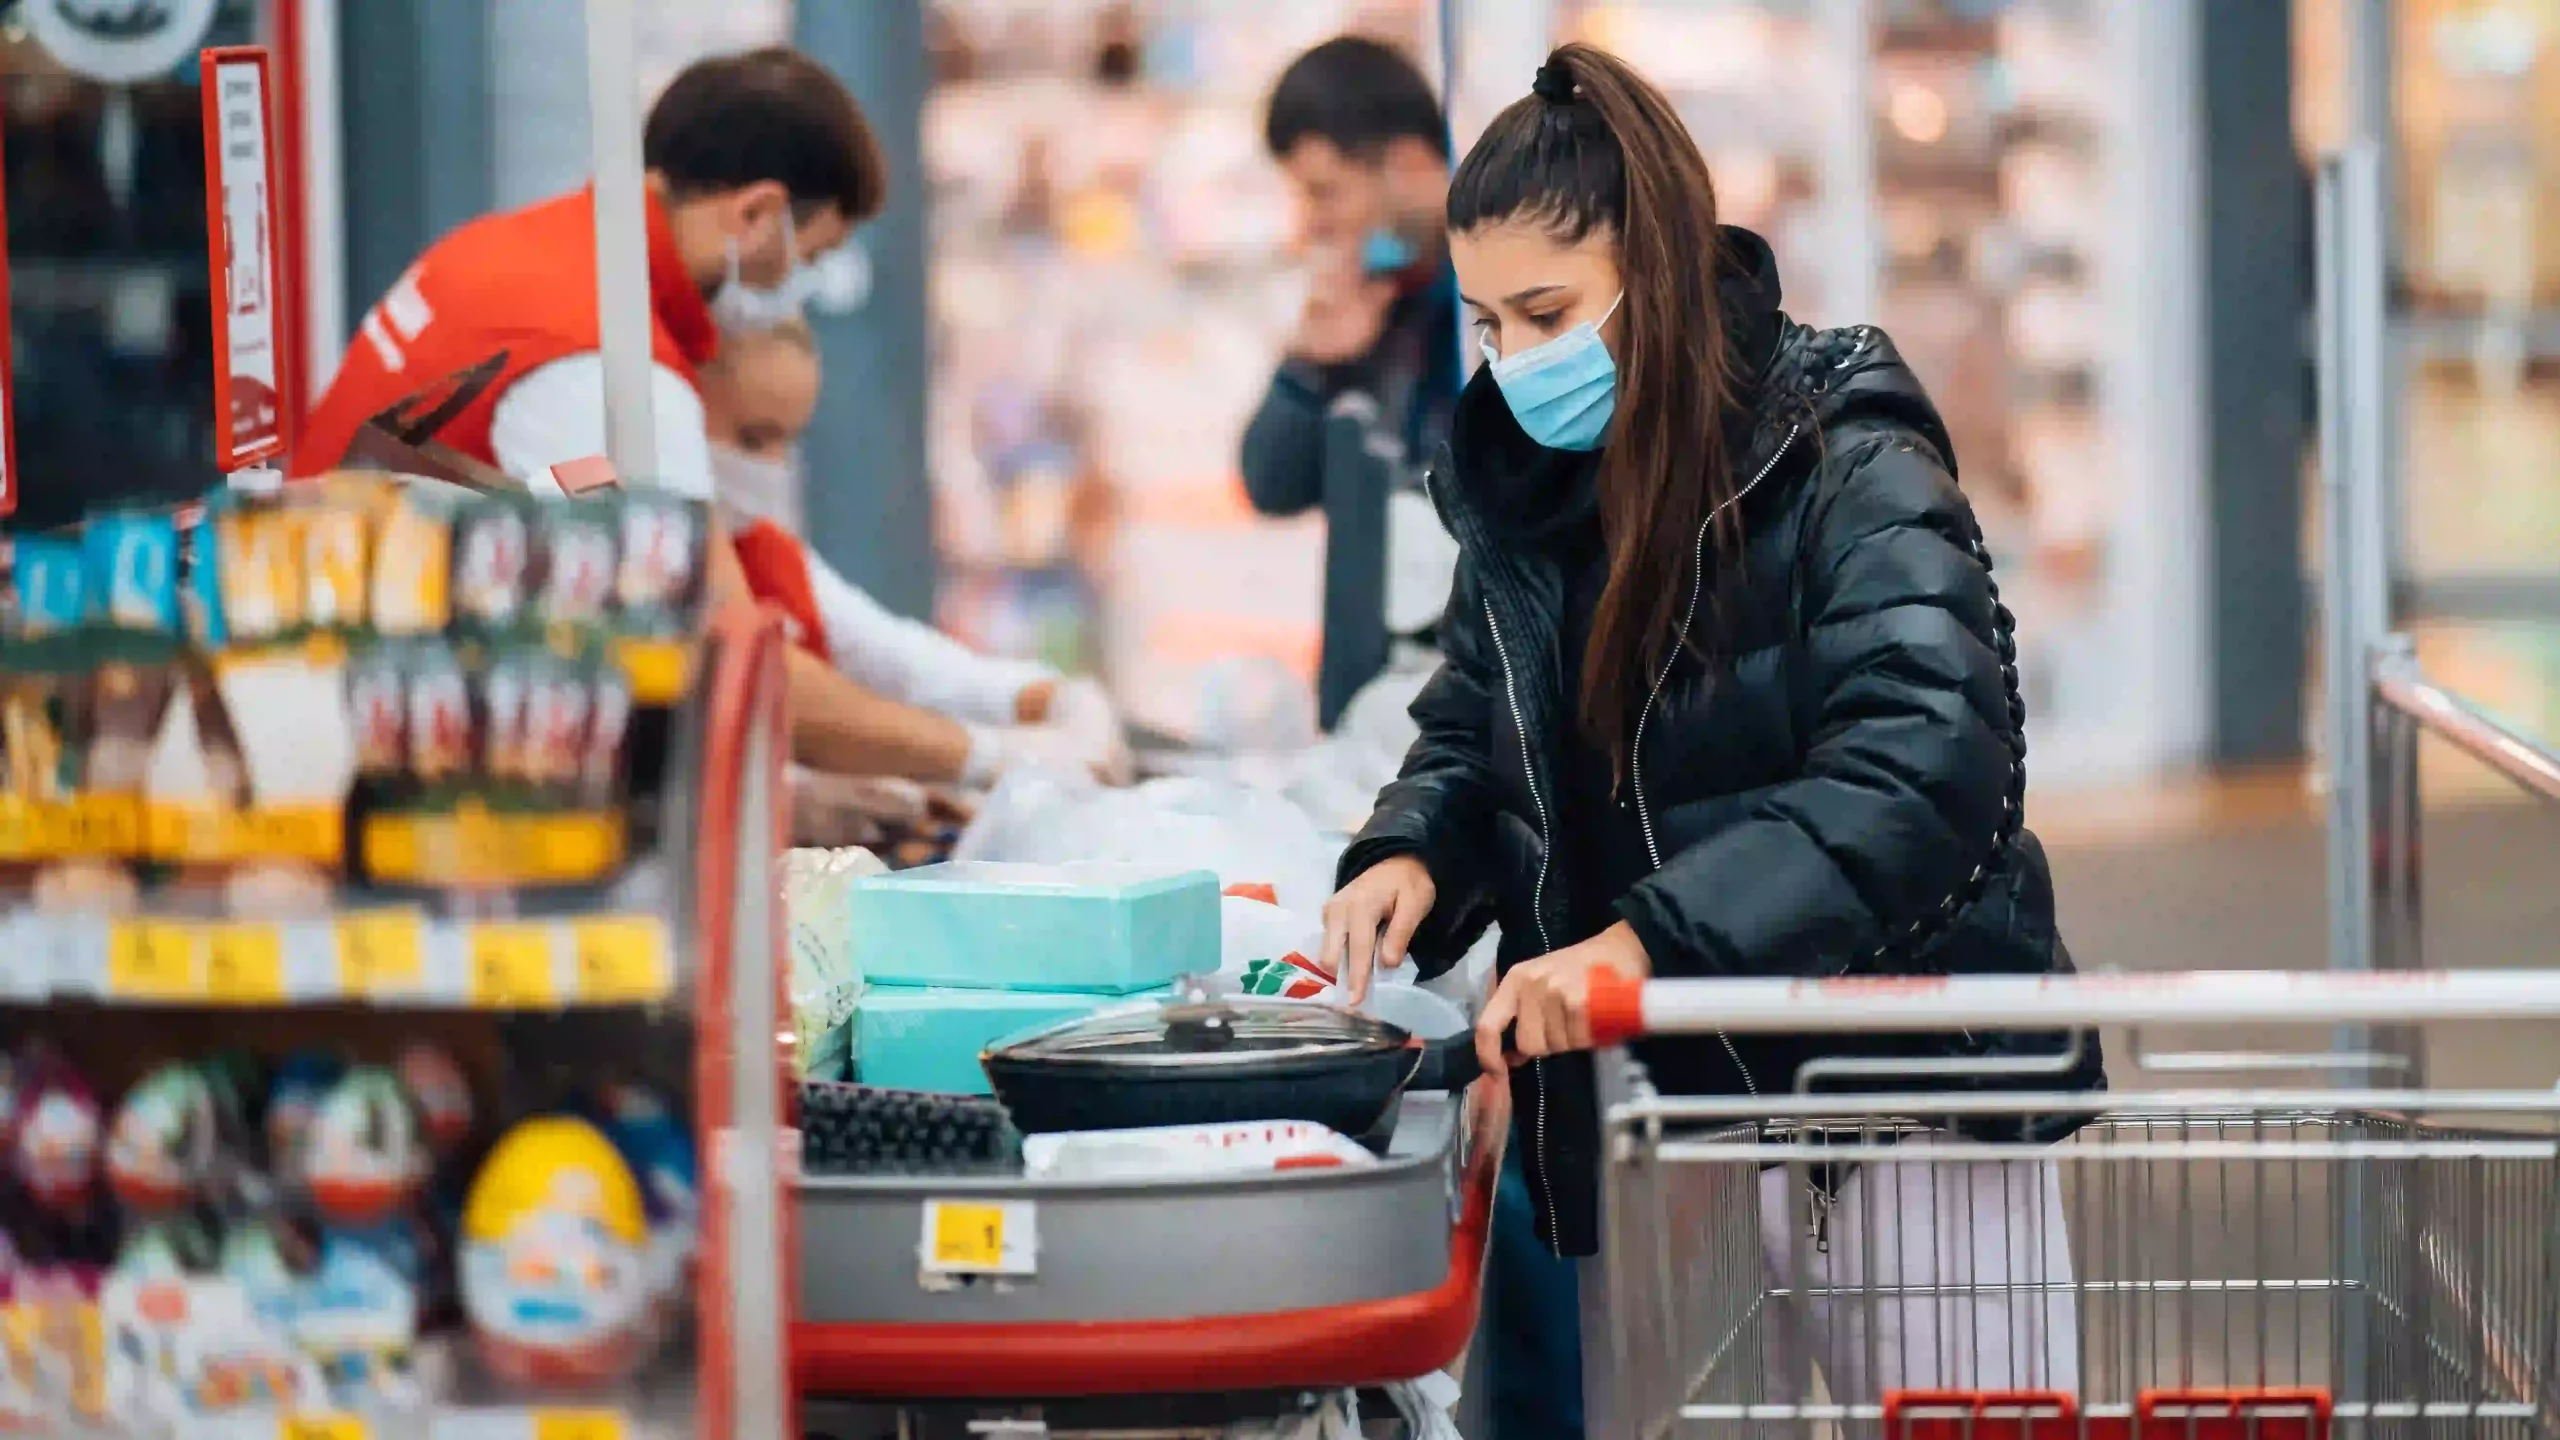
point(492, 564)
point(53, 1358)
point(161, 1149)
point(413, 567)
point(555, 1273)
point(377, 699)
point(660, 580)
point(559, 703)
point(132, 563)
point(441, 728)
point(258, 574)
point(73, 704)
point(580, 541)
point(601, 769)
point(49, 575)
point(337, 548)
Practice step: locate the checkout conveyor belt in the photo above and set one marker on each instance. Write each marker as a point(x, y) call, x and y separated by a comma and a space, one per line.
point(1309, 1278)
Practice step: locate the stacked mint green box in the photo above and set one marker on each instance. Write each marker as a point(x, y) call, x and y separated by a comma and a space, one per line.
point(958, 956)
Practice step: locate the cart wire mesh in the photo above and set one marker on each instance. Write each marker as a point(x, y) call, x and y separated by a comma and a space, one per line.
point(2258, 1270)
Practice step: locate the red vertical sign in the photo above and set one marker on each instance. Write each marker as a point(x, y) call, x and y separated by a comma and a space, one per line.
point(246, 238)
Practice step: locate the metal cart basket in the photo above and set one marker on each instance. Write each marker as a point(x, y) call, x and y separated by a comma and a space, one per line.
point(2192, 1262)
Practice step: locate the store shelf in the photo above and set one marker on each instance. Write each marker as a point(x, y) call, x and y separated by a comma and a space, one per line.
point(390, 956)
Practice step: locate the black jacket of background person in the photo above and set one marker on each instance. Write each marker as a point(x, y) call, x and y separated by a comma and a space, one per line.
point(1842, 794)
point(1344, 437)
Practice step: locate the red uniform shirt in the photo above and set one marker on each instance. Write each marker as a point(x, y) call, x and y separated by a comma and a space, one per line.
point(777, 568)
point(523, 282)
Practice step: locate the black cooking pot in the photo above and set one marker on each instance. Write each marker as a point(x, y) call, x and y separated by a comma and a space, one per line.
point(1219, 1062)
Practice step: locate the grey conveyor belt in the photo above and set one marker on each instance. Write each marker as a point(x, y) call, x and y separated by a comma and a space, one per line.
point(1123, 1250)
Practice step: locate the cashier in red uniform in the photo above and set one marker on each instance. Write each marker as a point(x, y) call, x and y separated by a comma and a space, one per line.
point(757, 163)
point(758, 397)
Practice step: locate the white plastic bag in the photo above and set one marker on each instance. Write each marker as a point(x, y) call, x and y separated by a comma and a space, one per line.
point(1245, 835)
point(1336, 1417)
point(824, 983)
point(1426, 1405)
point(1251, 930)
point(1253, 704)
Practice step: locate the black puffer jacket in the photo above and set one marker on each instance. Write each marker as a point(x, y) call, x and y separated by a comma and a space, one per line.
point(1842, 795)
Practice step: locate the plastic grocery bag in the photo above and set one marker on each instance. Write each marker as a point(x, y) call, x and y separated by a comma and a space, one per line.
point(1336, 1417)
point(1254, 930)
point(824, 984)
point(1425, 1405)
point(1253, 704)
point(1244, 834)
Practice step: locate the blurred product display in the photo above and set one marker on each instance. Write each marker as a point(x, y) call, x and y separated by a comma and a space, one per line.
point(2476, 189)
point(1111, 287)
point(348, 1051)
point(1971, 210)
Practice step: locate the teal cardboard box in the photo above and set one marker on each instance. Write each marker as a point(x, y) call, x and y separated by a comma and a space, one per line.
point(1101, 929)
point(910, 1038)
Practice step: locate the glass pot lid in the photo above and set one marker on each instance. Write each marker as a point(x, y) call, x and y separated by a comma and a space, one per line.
point(1204, 1034)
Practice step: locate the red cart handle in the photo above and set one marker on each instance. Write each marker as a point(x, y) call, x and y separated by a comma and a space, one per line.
point(1616, 1003)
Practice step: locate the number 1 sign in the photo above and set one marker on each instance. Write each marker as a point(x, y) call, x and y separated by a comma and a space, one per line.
point(246, 237)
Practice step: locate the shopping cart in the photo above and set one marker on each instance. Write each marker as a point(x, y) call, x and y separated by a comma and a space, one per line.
point(2258, 1264)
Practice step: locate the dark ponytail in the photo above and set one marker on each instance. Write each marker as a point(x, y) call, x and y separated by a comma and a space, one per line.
point(1595, 149)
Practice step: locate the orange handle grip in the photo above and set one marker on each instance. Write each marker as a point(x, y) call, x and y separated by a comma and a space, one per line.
point(1617, 1007)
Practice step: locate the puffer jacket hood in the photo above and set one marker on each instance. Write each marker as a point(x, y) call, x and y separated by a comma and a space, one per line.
point(1840, 792)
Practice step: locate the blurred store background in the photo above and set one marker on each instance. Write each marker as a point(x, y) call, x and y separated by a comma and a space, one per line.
point(2087, 221)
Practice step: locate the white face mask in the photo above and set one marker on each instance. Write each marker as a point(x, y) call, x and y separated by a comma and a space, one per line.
point(741, 306)
point(752, 487)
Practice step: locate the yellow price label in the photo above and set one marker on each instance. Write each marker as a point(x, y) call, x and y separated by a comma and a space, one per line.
point(968, 1237)
point(321, 1427)
point(244, 964)
point(511, 967)
point(620, 961)
point(154, 960)
point(381, 953)
point(576, 1425)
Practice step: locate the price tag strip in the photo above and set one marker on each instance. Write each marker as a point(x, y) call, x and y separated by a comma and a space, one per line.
point(553, 1424)
point(322, 1427)
point(393, 956)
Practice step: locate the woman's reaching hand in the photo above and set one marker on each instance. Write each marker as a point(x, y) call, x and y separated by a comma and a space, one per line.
point(1370, 921)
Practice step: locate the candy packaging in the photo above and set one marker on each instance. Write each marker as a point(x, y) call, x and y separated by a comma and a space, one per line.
point(554, 1257)
point(162, 1147)
point(363, 1155)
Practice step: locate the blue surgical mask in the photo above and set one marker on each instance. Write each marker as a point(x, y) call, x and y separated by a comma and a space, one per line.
point(1384, 252)
point(1563, 391)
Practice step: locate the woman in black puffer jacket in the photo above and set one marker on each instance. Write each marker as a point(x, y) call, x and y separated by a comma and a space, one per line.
point(1729, 689)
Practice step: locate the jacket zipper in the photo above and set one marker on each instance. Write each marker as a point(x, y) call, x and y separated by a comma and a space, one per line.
point(1537, 904)
point(1635, 752)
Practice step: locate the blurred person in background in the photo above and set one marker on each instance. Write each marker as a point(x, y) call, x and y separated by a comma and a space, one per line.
point(1728, 690)
point(758, 396)
point(757, 163)
point(1373, 369)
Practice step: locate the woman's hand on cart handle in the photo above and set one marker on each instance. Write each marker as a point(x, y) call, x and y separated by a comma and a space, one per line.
point(1372, 920)
point(1545, 1004)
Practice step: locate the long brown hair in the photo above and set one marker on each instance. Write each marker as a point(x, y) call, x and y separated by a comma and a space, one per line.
point(1597, 149)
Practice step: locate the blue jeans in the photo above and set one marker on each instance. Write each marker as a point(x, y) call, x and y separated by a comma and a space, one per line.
point(1532, 1320)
